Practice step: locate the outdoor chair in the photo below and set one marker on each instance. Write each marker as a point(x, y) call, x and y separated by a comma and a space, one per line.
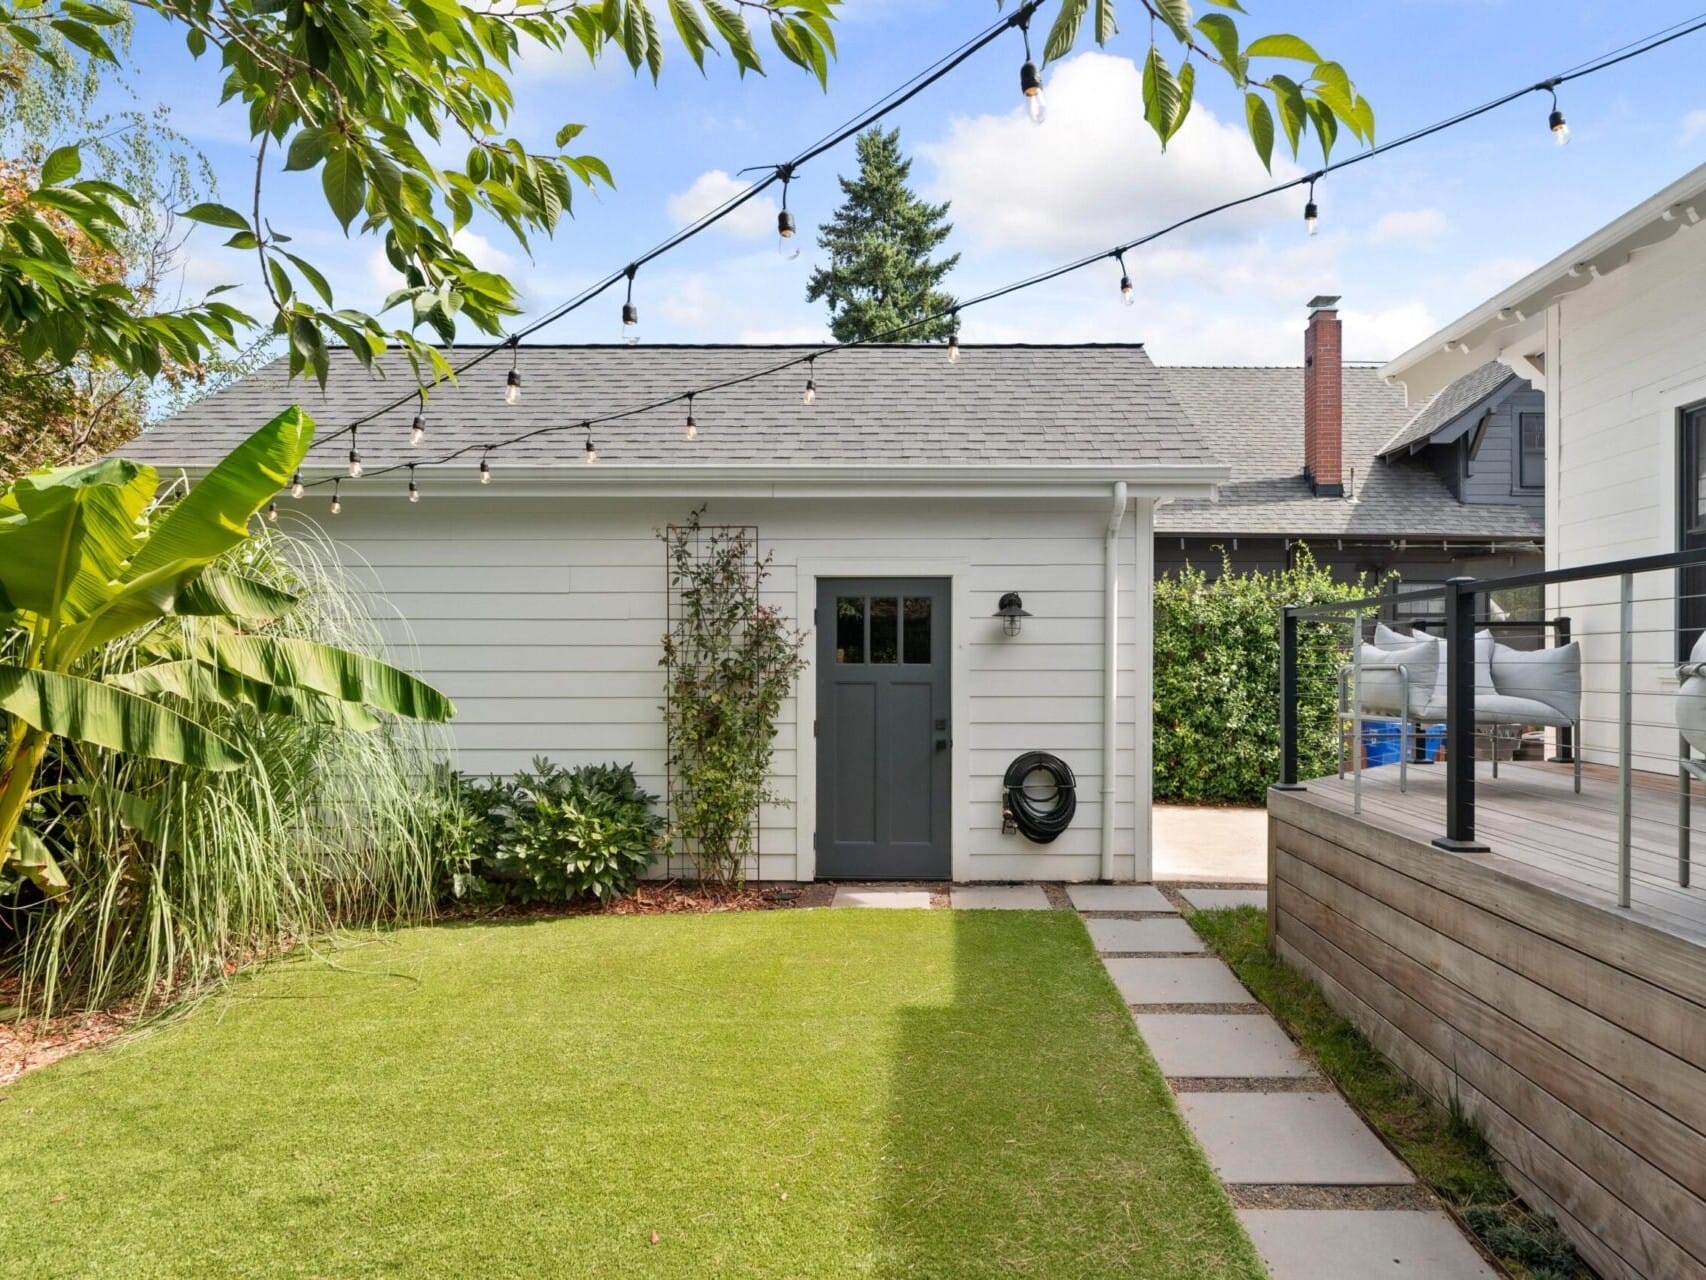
point(1403, 677)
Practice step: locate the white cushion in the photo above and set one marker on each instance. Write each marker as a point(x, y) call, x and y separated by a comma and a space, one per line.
point(1389, 640)
point(1505, 708)
point(1552, 677)
point(1696, 664)
point(1382, 686)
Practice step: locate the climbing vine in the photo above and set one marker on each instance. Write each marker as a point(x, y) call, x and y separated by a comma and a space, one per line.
point(730, 661)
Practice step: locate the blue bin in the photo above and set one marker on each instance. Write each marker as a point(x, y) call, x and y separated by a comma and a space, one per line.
point(1433, 743)
point(1382, 742)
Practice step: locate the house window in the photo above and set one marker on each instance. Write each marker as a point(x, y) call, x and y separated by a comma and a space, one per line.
point(1691, 526)
point(1531, 451)
point(1430, 608)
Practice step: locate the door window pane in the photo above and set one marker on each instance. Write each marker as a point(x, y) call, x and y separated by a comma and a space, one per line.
point(1694, 446)
point(885, 630)
point(915, 623)
point(849, 630)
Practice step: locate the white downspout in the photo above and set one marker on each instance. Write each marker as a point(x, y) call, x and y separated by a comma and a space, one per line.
point(1142, 688)
point(1110, 673)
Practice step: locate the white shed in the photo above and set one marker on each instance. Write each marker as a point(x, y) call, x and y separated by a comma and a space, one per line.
point(906, 500)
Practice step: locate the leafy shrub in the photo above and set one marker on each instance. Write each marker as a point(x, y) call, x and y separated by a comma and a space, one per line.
point(1217, 679)
point(549, 834)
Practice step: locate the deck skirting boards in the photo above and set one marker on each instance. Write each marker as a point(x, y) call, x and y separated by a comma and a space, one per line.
point(1575, 1038)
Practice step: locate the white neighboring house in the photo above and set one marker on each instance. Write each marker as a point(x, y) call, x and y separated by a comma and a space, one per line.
point(1613, 330)
point(911, 487)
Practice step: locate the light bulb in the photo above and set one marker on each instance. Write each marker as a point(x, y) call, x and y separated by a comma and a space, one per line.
point(417, 429)
point(272, 513)
point(1031, 85)
point(512, 387)
point(953, 348)
point(630, 323)
point(296, 485)
point(786, 245)
point(591, 452)
point(809, 396)
point(485, 472)
point(414, 492)
point(1126, 292)
point(691, 431)
point(337, 502)
point(1311, 217)
point(1560, 130)
point(354, 465)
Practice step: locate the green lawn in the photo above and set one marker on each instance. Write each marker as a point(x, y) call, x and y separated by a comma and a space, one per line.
point(786, 1094)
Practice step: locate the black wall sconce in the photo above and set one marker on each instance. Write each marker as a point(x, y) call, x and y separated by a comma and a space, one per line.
point(1011, 611)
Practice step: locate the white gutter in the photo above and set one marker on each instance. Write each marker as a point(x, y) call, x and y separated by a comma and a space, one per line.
point(1110, 671)
point(771, 480)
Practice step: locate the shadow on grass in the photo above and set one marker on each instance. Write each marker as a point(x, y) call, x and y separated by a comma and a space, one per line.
point(1030, 1134)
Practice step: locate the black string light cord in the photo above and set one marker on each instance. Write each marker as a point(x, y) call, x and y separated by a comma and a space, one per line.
point(782, 173)
point(1550, 85)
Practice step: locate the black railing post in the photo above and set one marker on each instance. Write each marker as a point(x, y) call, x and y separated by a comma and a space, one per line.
point(1288, 702)
point(1566, 737)
point(1459, 834)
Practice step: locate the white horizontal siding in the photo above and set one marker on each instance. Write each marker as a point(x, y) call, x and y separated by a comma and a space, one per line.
point(1630, 350)
point(543, 623)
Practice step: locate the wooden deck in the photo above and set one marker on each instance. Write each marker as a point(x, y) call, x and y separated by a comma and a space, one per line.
point(1539, 828)
point(1510, 984)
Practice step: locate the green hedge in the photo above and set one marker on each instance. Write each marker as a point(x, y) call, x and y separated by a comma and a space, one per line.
point(1217, 680)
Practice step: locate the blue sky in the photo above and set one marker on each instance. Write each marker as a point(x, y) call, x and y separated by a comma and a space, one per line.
point(1410, 240)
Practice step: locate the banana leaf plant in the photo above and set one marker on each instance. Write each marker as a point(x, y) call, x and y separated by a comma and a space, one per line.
point(93, 557)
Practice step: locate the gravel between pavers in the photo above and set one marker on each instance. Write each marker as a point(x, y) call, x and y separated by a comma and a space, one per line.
point(1249, 1084)
point(1251, 1195)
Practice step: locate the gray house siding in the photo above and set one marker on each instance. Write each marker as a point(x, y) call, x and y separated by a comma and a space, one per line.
point(1491, 476)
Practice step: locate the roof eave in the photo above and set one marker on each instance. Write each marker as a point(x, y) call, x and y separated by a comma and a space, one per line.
point(764, 480)
point(1505, 326)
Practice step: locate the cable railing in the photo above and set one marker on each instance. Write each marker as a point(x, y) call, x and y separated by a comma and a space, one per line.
point(1608, 671)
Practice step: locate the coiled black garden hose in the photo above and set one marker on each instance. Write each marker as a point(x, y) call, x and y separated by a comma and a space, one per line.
point(1036, 823)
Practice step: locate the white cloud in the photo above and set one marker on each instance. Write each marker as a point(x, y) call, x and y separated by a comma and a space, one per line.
point(1094, 174)
point(1693, 125)
point(715, 187)
point(1484, 279)
point(1410, 227)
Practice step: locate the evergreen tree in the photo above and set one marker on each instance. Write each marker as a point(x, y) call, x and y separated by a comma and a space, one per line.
point(880, 273)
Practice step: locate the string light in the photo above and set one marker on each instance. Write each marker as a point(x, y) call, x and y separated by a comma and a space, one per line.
point(417, 428)
point(1126, 291)
point(691, 431)
point(485, 468)
point(591, 448)
point(630, 313)
point(512, 384)
point(1311, 214)
point(414, 489)
point(1555, 121)
point(296, 484)
point(355, 467)
point(1030, 83)
point(272, 513)
point(337, 500)
point(954, 346)
point(809, 395)
point(785, 219)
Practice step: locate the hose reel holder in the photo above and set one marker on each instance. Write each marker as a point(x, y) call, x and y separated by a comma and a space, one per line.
point(1039, 810)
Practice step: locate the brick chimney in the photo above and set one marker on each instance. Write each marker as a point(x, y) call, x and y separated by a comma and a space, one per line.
point(1323, 399)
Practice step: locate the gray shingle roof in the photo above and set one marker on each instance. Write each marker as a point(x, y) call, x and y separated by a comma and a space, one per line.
point(1253, 418)
point(1036, 406)
point(1468, 393)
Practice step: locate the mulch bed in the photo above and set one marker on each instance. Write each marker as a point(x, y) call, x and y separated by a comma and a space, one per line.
point(28, 1043)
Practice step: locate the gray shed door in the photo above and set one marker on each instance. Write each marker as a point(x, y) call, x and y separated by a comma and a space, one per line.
point(884, 740)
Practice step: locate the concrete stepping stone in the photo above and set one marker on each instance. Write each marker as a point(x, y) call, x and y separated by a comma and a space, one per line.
point(1118, 897)
point(1304, 1138)
point(847, 895)
point(1159, 934)
point(1221, 1044)
point(1187, 980)
point(1215, 899)
point(1370, 1244)
point(998, 897)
